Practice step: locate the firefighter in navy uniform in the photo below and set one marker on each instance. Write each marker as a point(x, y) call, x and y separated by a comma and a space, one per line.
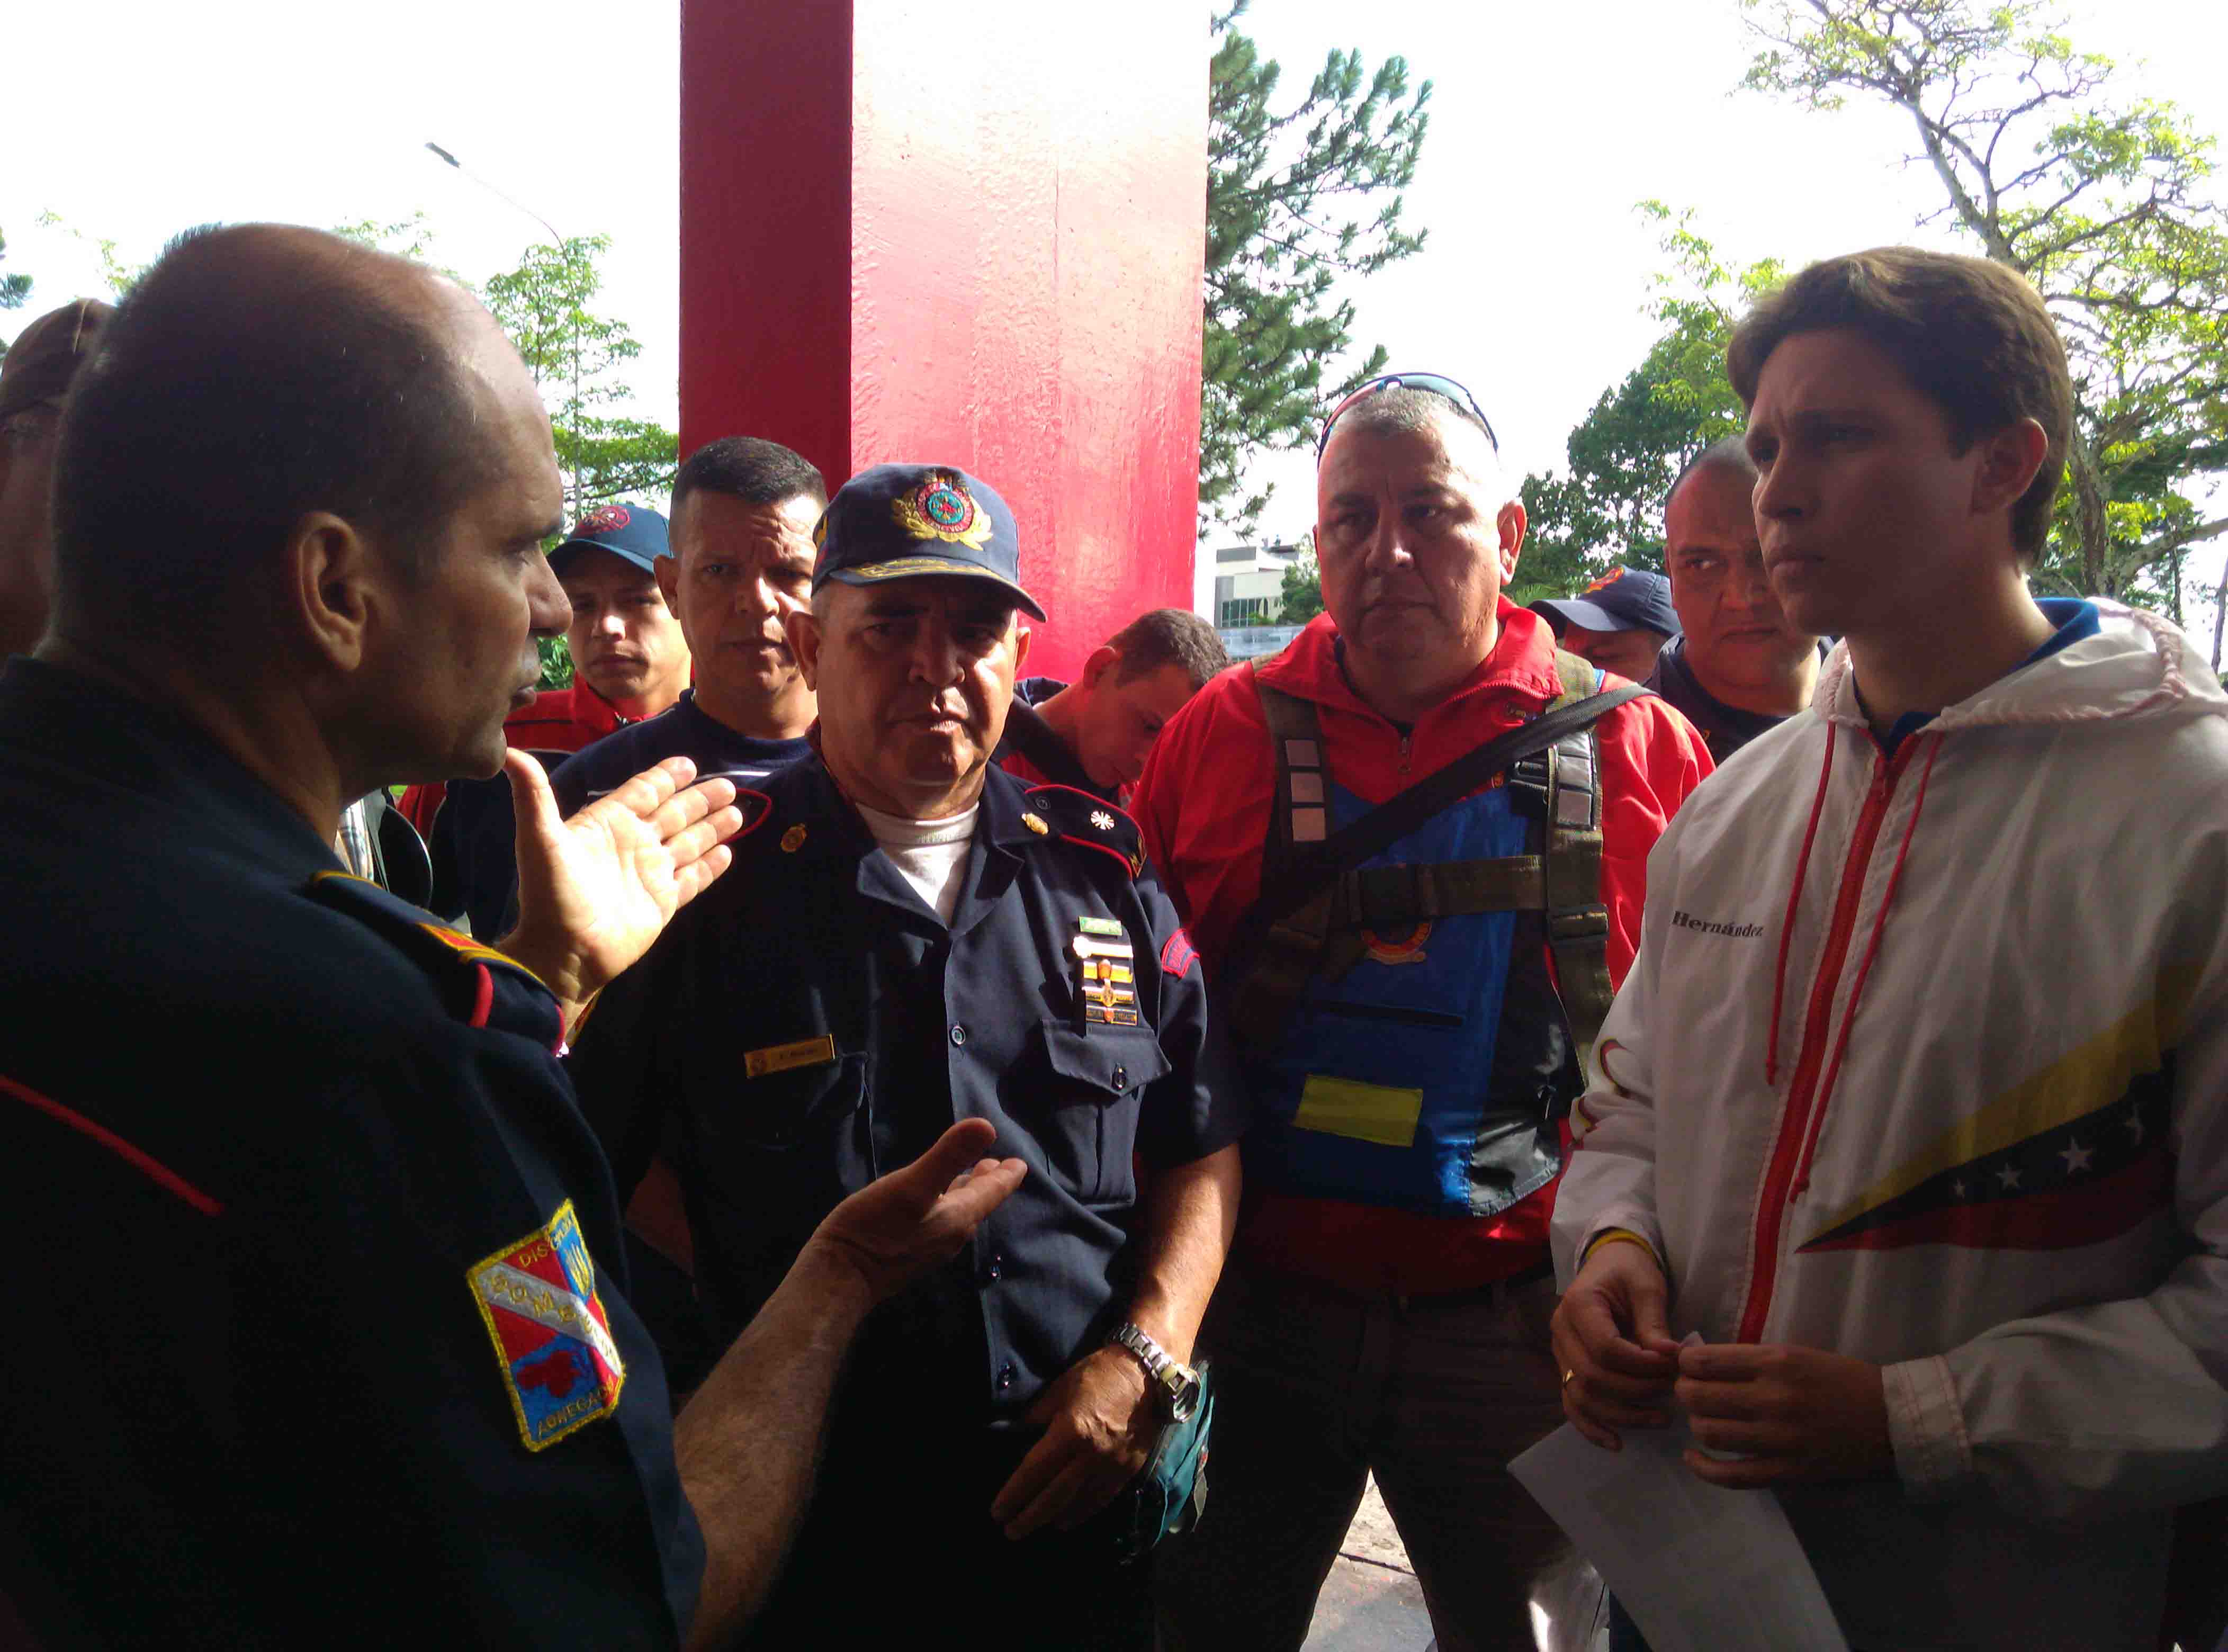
point(911, 936)
point(316, 1334)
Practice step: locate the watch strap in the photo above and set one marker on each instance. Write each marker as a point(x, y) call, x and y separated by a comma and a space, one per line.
point(1164, 1373)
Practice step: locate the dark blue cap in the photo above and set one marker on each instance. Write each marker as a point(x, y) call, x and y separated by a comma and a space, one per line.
point(896, 521)
point(1622, 599)
point(634, 533)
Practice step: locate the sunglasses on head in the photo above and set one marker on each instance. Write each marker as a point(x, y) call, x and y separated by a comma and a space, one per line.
point(1436, 384)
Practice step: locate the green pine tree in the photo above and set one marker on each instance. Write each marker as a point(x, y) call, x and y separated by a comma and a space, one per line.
point(1295, 199)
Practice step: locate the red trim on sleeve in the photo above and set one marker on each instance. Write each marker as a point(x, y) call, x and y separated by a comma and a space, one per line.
point(482, 995)
point(161, 1174)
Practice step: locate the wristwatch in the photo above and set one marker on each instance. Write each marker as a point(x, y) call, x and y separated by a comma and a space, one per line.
point(1176, 1384)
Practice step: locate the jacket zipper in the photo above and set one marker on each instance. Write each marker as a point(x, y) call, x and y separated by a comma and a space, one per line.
point(1817, 1025)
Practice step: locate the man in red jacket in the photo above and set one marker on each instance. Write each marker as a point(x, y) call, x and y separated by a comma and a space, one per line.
point(1386, 1306)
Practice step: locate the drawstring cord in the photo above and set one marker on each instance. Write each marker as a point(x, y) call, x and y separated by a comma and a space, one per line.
point(1794, 895)
point(1864, 970)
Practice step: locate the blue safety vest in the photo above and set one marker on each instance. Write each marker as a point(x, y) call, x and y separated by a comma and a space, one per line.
point(1429, 1076)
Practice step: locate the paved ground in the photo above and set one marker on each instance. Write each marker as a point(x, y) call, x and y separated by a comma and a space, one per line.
point(1371, 1602)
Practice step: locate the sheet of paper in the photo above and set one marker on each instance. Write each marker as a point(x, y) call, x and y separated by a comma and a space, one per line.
point(1699, 1568)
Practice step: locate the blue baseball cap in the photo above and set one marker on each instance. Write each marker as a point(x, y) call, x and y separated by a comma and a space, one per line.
point(895, 522)
point(1622, 599)
point(634, 533)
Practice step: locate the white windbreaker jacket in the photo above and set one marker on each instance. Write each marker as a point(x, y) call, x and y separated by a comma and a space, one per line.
point(1924, 1059)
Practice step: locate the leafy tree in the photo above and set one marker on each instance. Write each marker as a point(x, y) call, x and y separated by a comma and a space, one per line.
point(1625, 455)
point(574, 355)
point(1300, 597)
point(2103, 201)
point(1295, 199)
point(118, 276)
point(15, 289)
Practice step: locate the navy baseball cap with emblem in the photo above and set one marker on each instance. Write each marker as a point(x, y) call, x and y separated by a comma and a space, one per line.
point(895, 522)
point(634, 533)
point(1623, 599)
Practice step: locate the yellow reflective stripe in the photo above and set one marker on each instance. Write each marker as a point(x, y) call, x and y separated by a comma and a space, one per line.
point(1364, 1112)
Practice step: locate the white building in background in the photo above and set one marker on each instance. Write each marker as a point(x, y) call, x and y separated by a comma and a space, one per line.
point(1249, 583)
point(1247, 594)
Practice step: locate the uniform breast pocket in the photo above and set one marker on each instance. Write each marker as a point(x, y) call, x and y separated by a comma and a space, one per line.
point(1093, 1081)
point(809, 1112)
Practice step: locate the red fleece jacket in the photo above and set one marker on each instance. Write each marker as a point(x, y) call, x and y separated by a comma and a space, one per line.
point(1204, 804)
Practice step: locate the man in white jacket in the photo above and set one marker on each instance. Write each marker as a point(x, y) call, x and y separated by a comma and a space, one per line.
point(1916, 1095)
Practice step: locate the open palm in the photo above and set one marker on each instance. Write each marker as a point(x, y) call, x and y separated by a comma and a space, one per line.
point(595, 890)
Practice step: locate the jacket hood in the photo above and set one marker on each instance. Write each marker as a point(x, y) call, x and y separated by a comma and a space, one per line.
point(2137, 665)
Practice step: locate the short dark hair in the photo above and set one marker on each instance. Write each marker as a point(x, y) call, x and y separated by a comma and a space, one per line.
point(1168, 637)
point(1727, 453)
point(255, 373)
point(1404, 408)
point(1972, 335)
point(751, 469)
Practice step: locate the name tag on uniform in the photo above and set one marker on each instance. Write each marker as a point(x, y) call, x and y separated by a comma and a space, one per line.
point(780, 1057)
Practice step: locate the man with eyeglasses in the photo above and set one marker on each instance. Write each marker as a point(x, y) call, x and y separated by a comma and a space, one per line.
point(34, 376)
point(1406, 1053)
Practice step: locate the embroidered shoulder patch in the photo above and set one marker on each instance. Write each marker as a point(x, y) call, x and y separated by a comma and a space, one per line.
point(1178, 954)
point(552, 1337)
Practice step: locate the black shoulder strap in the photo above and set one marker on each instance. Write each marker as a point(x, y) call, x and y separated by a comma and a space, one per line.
point(1315, 868)
point(1034, 739)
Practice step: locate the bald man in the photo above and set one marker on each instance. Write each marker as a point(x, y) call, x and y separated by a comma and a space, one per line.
point(325, 1339)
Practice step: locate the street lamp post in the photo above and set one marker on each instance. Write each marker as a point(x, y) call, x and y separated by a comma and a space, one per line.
point(557, 240)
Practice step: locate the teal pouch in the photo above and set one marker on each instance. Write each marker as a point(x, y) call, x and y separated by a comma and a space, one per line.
point(1172, 1491)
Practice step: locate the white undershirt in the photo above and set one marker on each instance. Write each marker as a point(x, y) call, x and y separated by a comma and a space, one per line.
point(930, 854)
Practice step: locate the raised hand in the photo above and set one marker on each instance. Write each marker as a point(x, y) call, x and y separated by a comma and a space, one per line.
point(897, 1229)
point(596, 890)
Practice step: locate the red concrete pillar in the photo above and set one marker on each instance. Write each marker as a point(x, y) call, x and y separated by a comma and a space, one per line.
point(968, 231)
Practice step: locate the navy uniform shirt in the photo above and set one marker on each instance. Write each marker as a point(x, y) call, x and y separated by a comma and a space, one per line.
point(683, 729)
point(314, 1332)
point(809, 1024)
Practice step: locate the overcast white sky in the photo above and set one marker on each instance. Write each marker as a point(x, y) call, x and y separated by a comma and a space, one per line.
point(1549, 122)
